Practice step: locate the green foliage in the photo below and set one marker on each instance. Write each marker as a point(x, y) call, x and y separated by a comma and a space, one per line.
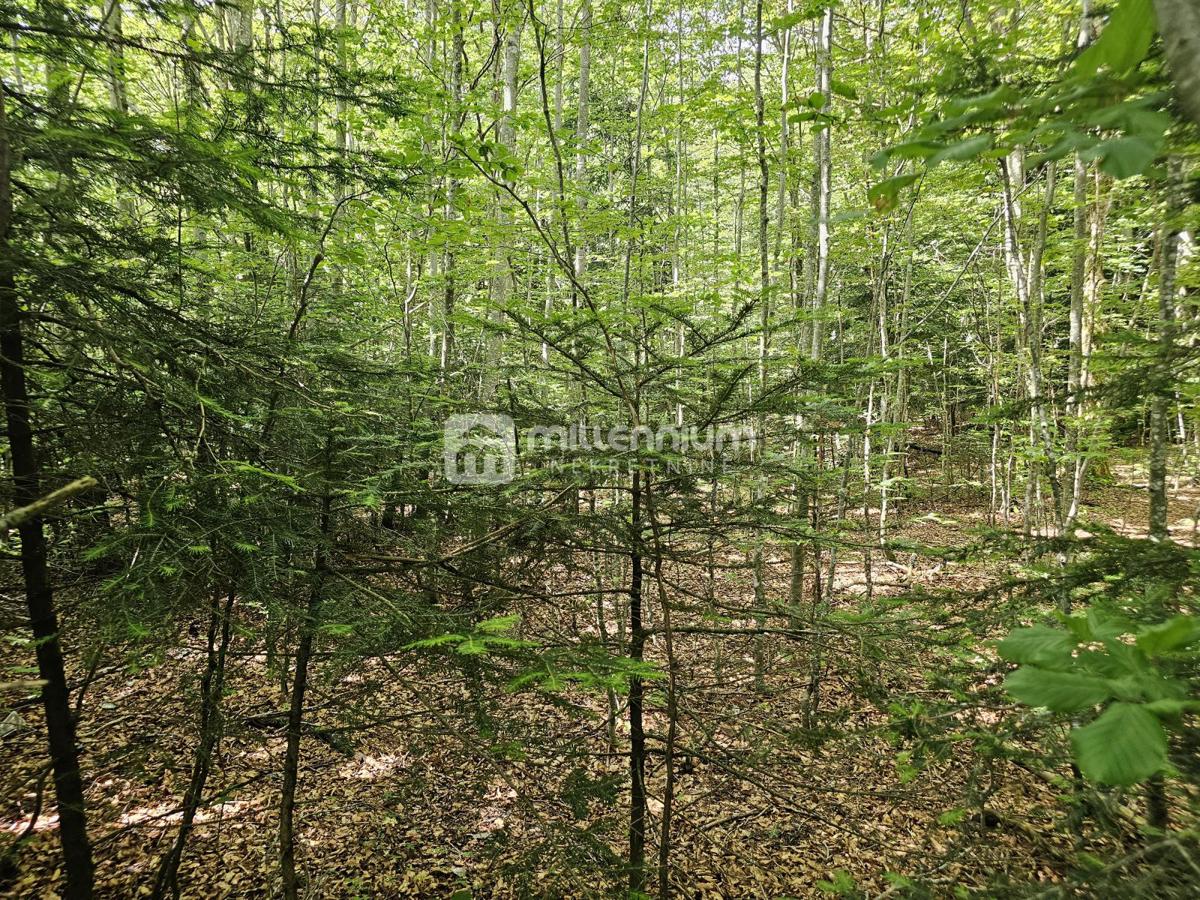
point(489, 636)
point(1036, 645)
point(1077, 111)
point(587, 667)
point(581, 789)
point(841, 883)
point(1124, 42)
point(1124, 745)
point(257, 270)
point(1063, 692)
point(1089, 662)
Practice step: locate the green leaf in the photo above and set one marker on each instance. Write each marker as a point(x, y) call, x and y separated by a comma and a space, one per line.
point(1171, 708)
point(1104, 626)
point(803, 14)
point(883, 195)
point(842, 89)
point(1122, 747)
point(1170, 635)
point(1070, 142)
point(906, 150)
point(1125, 157)
point(840, 882)
point(1079, 627)
point(993, 100)
point(1116, 660)
point(1123, 43)
point(968, 149)
point(250, 469)
point(498, 625)
point(952, 816)
point(1038, 646)
point(437, 640)
point(1064, 692)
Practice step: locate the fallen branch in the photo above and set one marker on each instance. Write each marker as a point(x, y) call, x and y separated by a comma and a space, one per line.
point(23, 514)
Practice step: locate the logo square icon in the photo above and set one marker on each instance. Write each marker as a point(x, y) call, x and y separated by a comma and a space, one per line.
point(479, 449)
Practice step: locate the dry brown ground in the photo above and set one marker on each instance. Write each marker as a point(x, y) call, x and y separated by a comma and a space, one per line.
point(423, 806)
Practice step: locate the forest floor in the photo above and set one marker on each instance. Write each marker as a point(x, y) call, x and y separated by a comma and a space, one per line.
point(413, 802)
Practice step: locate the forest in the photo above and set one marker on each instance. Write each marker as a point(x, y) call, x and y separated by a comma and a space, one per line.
point(582, 449)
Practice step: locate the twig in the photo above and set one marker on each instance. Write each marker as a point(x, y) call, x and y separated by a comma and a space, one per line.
point(23, 514)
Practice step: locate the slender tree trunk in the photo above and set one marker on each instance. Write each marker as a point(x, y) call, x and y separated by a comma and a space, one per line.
point(1079, 260)
point(664, 843)
point(637, 634)
point(764, 326)
point(781, 191)
point(295, 724)
point(821, 150)
point(1074, 407)
point(503, 279)
point(582, 126)
point(1027, 283)
point(212, 686)
point(820, 221)
point(450, 275)
point(118, 96)
point(739, 207)
point(1160, 424)
point(560, 53)
point(39, 597)
point(637, 734)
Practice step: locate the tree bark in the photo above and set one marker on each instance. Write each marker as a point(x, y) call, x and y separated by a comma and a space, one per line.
point(1179, 24)
point(118, 96)
point(1026, 279)
point(39, 597)
point(764, 324)
point(1160, 424)
point(582, 126)
point(821, 149)
point(295, 726)
point(637, 734)
point(212, 686)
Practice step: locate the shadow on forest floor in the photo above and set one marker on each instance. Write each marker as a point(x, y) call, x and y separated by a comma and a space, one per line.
point(422, 805)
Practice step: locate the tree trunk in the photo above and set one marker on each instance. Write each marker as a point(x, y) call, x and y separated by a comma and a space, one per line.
point(637, 734)
point(295, 726)
point(39, 597)
point(118, 96)
point(1027, 281)
point(821, 150)
point(212, 686)
point(582, 125)
point(450, 275)
point(1160, 420)
point(1079, 267)
point(503, 278)
point(1179, 24)
point(764, 301)
point(820, 283)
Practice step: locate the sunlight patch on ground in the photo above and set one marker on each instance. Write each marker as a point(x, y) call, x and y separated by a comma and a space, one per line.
point(21, 825)
point(370, 767)
point(169, 814)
